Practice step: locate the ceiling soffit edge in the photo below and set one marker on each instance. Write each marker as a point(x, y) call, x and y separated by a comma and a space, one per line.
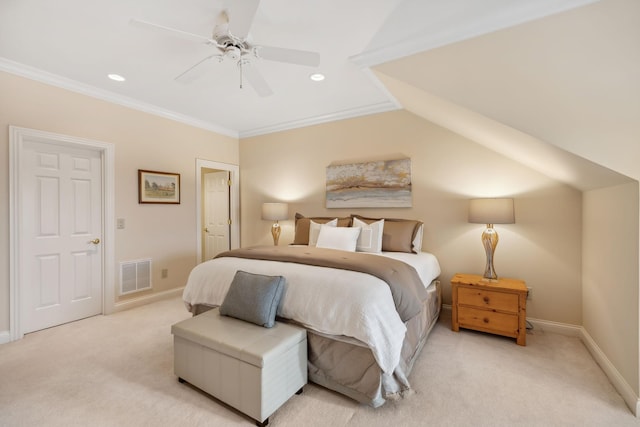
point(543, 156)
point(491, 22)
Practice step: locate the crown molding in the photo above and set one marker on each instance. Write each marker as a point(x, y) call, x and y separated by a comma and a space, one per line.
point(332, 117)
point(36, 74)
point(390, 104)
point(55, 80)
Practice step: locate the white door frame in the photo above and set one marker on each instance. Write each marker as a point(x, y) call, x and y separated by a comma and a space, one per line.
point(17, 137)
point(234, 202)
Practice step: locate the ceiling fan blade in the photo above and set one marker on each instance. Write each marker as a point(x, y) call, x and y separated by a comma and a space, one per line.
point(293, 56)
point(256, 80)
point(195, 72)
point(221, 27)
point(167, 30)
point(241, 14)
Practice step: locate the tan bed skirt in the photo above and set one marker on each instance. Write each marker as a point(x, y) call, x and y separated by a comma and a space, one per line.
point(349, 368)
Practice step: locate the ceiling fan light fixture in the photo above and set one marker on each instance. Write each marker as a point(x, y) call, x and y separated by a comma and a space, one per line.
point(116, 77)
point(317, 77)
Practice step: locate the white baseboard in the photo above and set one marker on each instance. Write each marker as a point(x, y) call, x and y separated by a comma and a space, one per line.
point(619, 383)
point(625, 390)
point(147, 299)
point(5, 337)
point(555, 327)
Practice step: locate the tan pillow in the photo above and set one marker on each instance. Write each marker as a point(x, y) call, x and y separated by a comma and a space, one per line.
point(301, 236)
point(398, 234)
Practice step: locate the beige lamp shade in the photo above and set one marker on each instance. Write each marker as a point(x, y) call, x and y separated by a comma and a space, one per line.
point(275, 211)
point(491, 211)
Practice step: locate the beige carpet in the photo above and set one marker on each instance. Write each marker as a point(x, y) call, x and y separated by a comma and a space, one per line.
point(117, 371)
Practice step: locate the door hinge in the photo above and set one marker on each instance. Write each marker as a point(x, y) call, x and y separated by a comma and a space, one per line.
point(229, 183)
point(229, 221)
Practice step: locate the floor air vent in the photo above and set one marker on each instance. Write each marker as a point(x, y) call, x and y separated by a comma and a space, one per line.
point(135, 276)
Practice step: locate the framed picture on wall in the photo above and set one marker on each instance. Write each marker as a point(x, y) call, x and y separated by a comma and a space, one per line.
point(158, 187)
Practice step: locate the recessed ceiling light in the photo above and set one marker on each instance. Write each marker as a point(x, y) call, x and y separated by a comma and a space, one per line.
point(317, 77)
point(116, 77)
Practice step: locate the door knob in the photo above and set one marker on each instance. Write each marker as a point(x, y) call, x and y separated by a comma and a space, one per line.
point(206, 230)
point(95, 241)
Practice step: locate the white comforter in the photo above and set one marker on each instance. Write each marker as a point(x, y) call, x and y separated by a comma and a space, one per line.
point(330, 301)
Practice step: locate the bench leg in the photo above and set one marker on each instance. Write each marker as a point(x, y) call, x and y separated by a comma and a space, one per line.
point(262, 424)
point(300, 391)
point(181, 381)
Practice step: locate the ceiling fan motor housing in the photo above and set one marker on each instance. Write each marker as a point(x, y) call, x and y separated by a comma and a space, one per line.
point(232, 52)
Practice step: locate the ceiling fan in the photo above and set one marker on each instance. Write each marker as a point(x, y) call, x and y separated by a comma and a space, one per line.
point(230, 40)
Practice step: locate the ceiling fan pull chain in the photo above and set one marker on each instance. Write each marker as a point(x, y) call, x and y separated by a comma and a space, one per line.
point(240, 65)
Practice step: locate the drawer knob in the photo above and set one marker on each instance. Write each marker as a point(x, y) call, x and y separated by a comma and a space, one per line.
point(486, 300)
point(485, 320)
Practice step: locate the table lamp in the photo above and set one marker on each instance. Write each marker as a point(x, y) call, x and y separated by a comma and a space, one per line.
point(275, 212)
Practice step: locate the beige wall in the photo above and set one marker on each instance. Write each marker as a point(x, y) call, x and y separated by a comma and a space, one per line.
point(608, 146)
point(610, 275)
point(543, 247)
point(165, 233)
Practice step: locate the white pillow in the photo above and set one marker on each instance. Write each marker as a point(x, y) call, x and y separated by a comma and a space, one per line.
point(314, 230)
point(343, 238)
point(370, 239)
point(417, 241)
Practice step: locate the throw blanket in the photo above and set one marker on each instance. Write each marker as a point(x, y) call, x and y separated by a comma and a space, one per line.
point(407, 289)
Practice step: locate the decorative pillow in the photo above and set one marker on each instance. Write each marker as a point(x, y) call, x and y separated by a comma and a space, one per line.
point(301, 236)
point(314, 229)
point(370, 239)
point(342, 238)
point(398, 234)
point(253, 298)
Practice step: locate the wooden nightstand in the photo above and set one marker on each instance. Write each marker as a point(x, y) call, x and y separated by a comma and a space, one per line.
point(494, 306)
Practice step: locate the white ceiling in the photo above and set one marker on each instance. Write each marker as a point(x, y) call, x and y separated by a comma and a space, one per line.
point(76, 43)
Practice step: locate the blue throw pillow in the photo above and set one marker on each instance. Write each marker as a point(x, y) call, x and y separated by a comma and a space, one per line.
point(253, 298)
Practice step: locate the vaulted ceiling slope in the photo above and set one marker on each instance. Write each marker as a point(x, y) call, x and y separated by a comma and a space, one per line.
point(558, 94)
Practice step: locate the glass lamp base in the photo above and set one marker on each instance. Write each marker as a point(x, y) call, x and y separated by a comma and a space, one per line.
point(275, 232)
point(490, 241)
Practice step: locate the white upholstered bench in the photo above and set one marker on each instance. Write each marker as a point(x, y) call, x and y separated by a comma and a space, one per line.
point(249, 367)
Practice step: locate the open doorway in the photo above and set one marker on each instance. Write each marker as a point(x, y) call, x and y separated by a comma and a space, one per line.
point(218, 219)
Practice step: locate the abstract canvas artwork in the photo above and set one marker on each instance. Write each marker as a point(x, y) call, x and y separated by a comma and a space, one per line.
point(376, 184)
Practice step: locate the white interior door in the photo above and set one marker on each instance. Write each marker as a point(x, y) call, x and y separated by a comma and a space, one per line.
point(216, 213)
point(60, 204)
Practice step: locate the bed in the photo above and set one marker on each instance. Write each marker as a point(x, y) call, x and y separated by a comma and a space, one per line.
point(366, 325)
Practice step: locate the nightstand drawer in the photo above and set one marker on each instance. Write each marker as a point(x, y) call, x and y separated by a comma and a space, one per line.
point(488, 299)
point(489, 321)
